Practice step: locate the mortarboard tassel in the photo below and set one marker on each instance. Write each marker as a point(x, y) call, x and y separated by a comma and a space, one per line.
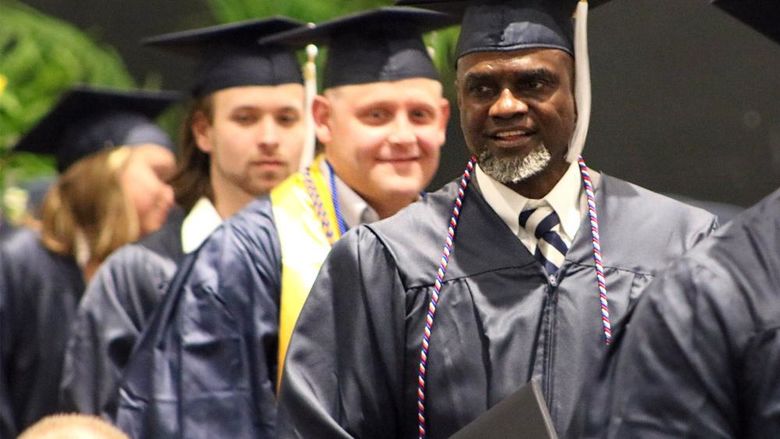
point(582, 88)
point(310, 87)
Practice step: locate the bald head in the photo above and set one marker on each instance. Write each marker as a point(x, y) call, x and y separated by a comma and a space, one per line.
point(72, 426)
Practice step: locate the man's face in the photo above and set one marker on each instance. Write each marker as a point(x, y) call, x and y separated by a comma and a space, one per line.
point(255, 136)
point(384, 138)
point(517, 112)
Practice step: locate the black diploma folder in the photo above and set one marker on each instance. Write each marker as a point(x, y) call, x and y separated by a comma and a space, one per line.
point(522, 415)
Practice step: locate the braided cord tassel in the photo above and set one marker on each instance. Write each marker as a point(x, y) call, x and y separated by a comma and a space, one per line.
point(434, 302)
point(311, 188)
point(594, 229)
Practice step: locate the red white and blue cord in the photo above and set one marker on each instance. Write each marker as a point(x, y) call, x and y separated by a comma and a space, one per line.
point(434, 302)
point(594, 231)
point(422, 371)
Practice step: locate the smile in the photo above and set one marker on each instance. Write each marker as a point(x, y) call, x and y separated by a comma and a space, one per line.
point(399, 160)
point(511, 135)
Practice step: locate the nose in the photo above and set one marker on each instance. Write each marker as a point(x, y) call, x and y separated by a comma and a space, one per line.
point(166, 195)
point(268, 134)
point(507, 106)
point(403, 131)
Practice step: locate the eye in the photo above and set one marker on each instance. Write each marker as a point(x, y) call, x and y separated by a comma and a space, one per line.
point(244, 117)
point(375, 116)
point(534, 85)
point(288, 118)
point(482, 91)
point(422, 115)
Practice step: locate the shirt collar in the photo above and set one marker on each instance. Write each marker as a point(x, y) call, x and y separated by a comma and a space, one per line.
point(354, 209)
point(199, 223)
point(564, 198)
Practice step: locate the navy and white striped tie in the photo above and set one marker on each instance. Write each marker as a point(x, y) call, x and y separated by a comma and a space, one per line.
point(544, 224)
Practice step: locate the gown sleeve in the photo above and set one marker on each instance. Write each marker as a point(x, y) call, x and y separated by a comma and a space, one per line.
point(699, 355)
point(338, 380)
point(7, 424)
point(115, 306)
point(205, 365)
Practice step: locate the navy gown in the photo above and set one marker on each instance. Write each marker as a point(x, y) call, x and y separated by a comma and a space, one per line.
point(40, 293)
point(351, 370)
point(118, 300)
point(700, 356)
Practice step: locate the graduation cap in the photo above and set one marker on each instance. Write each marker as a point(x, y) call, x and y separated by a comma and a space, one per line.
point(504, 25)
point(383, 44)
point(507, 25)
point(87, 119)
point(761, 15)
point(230, 56)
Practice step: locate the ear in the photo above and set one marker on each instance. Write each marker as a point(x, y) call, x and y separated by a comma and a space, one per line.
point(321, 109)
point(444, 108)
point(200, 131)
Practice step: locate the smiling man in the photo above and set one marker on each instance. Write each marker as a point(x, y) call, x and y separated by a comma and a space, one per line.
point(418, 324)
point(207, 365)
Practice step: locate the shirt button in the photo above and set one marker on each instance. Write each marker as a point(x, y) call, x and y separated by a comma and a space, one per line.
point(553, 280)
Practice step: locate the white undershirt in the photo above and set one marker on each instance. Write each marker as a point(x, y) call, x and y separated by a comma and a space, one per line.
point(202, 220)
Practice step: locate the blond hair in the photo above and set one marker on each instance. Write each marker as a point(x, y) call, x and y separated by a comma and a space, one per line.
point(86, 214)
point(72, 426)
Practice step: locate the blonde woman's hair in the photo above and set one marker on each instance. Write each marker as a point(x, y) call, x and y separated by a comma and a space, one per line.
point(86, 214)
point(72, 426)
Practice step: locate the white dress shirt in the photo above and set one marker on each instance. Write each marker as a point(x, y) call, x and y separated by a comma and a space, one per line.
point(567, 199)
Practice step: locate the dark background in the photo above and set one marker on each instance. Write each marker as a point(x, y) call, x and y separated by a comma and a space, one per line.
point(686, 98)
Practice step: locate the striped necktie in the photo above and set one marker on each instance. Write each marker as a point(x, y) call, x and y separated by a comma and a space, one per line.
point(543, 223)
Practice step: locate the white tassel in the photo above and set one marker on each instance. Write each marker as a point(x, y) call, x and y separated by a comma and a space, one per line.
point(582, 89)
point(310, 88)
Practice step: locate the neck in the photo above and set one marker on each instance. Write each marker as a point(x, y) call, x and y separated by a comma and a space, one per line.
point(89, 269)
point(228, 203)
point(388, 207)
point(538, 186)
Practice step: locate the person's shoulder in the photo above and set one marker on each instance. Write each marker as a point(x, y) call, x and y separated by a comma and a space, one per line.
point(166, 242)
point(136, 261)
point(21, 240)
point(249, 236)
point(646, 203)
point(420, 216)
point(412, 237)
point(751, 241)
point(256, 212)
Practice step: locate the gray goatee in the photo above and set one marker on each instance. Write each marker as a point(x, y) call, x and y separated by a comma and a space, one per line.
point(514, 169)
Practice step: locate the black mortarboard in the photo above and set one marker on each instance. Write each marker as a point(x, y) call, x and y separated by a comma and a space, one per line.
point(383, 44)
point(229, 55)
point(86, 120)
point(761, 15)
point(504, 25)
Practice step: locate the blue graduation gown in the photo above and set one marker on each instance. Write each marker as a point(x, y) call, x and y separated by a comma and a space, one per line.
point(40, 293)
point(351, 370)
point(119, 299)
point(205, 365)
point(700, 356)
